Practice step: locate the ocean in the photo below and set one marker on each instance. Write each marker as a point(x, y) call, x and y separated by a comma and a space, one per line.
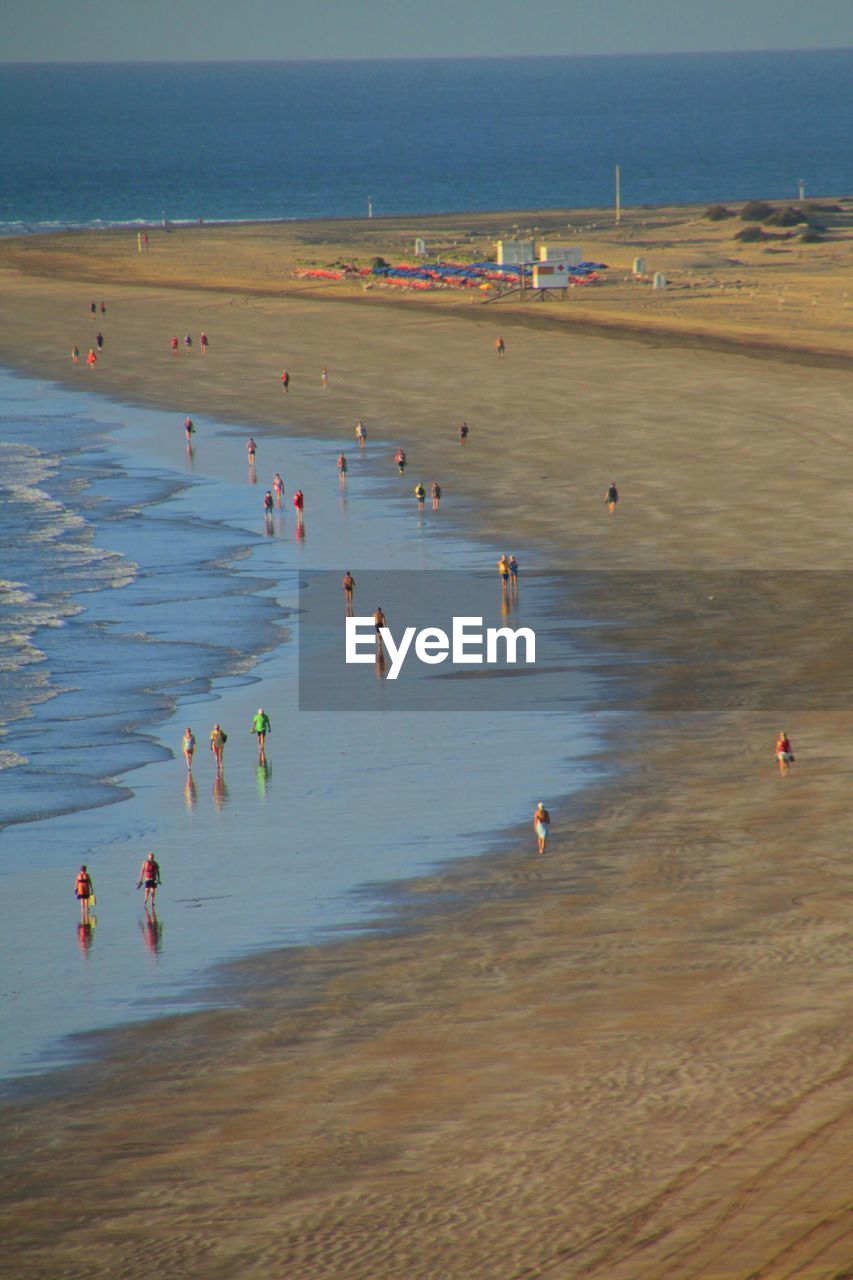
point(94, 145)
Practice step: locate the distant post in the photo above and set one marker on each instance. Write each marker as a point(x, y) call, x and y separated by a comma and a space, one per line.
point(370, 206)
point(618, 199)
point(802, 187)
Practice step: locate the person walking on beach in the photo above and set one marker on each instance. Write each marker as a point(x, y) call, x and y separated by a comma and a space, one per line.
point(360, 433)
point(149, 875)
point(218, 738)
point(188, 343)
point(278, 488)
point(541, 825)
point(251, 450)
point(173, 343)
point(91, 359)
point(348, 586)
point(268, 504)
point(99, 339)
point(261, 727)
point(188, 748)
point(93, 307)
point(103, 308)
point(400, 459)
point(436, 495)
point(84, 890)
point(611, 497)
point(463, 434)
point(342, 468)
point(500, 347)
point(513, 573)
point(299, 504)
point(379, 621)
point(503, 570)
point(203, 342)
point(324, 377)
point(784, 754)
point(189, 430)
point(420, 494)
point(75, 353)
point(285, 381)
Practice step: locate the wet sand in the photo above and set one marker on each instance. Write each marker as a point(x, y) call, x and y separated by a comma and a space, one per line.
point(628, 1059)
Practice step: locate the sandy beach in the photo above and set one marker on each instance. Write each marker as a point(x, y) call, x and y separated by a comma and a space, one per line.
point(630, 1058)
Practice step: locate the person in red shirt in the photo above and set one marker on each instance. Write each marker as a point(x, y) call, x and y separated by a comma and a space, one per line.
point(299, 504)
point(784, 754)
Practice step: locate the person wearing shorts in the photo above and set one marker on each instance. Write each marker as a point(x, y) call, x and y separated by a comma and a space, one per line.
point(611, 497)
point(173, 343)
point(261, 726)
point(299, 504)
point(436, 495)
point(149, 876)
point(342, 468)
point(203, 341)
point(278, 488)
point(420, 494)
point(360, 433)
point(463, 434)
point(503, 570)
point(784, 754)
point(285, 381)
point(188, 748)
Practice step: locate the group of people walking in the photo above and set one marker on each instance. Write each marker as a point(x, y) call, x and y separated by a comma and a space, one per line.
point(84, 888)
point(260, 727)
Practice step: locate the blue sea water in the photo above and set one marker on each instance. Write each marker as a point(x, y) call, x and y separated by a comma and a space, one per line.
point(88, 145)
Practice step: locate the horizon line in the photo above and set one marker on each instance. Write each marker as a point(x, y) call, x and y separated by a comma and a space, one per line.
point(426, 57)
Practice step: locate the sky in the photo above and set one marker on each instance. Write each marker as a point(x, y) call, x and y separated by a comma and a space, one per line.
point(188, 30)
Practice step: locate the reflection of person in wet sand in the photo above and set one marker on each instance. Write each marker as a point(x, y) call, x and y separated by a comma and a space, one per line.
point(190, 795)
point(541, 825)
point(220, 789)
point(149, 876)
point(348, 585)
point(84, 891)
point(152, 933)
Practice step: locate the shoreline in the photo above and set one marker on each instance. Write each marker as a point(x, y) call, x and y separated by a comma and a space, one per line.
point(664, 992)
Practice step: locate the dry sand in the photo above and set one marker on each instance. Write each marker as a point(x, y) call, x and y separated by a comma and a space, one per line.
point(629, 1059)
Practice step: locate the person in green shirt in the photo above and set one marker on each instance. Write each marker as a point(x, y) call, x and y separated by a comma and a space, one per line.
point(261, 726)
